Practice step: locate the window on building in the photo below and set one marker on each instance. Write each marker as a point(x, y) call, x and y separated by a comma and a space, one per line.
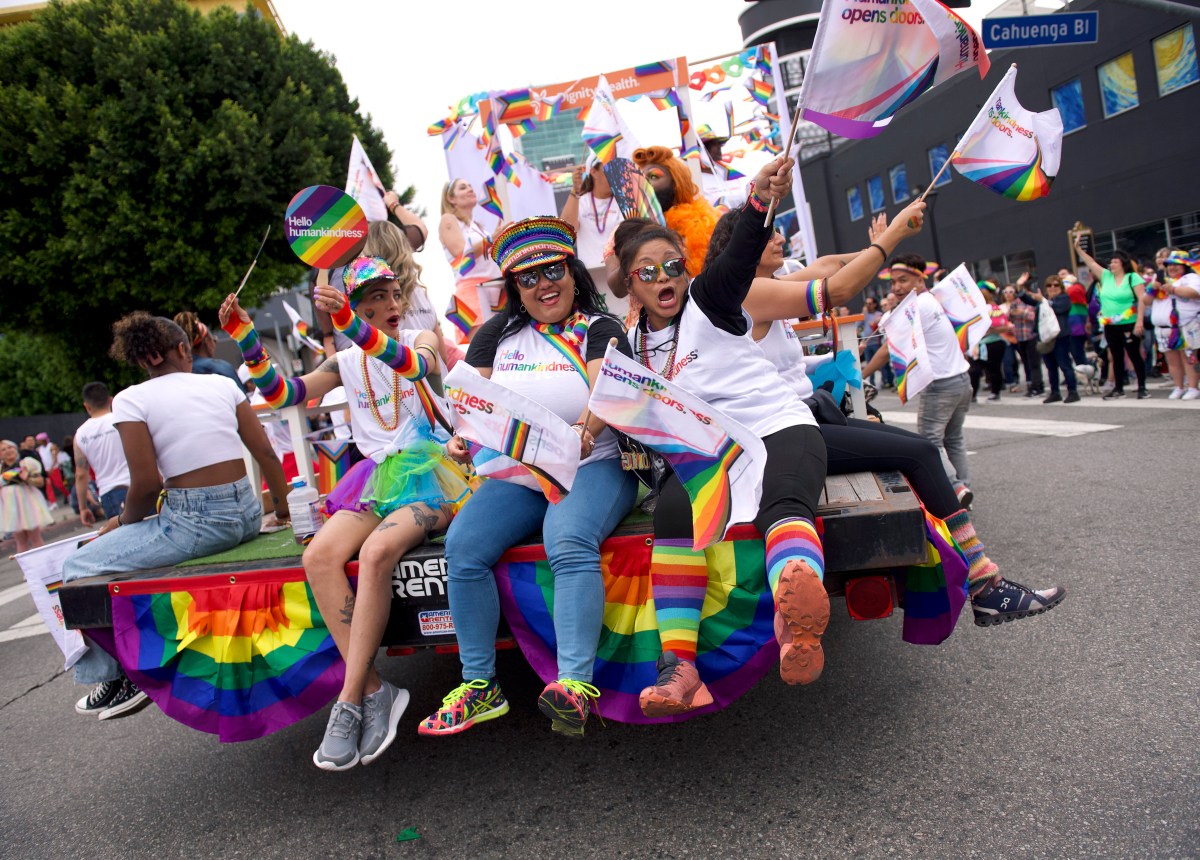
point(1141, 241)
point(991, 269)
point(792, 71)
point(938, 156)
point(875, 193)
point(1018, 263)
point(1105, 245)
point(1118, 85)
point(1068, 98)
point(854, 203)
point(1175, 60)
point(898, 179)
point(1184, 230)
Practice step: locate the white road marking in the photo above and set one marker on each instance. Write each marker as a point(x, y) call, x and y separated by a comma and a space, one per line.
point(17, 591)
point(31, 626)
point(1030, 426)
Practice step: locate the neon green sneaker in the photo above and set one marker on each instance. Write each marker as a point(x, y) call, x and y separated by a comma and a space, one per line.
point(567, 704)
point(467, 704)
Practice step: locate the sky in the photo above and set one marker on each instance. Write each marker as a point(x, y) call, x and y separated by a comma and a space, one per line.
point(406, 64)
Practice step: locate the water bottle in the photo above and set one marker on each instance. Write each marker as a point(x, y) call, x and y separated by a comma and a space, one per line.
point(305, 504)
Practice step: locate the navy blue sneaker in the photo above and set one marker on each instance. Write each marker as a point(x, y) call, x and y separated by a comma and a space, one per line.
point(1008, 600)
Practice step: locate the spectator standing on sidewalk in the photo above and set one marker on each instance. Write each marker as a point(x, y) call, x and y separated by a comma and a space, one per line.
point(993, 345)
point(98, 445)
point(1058, 359)
point(1120, 290)
point(23, 511)
point(1175, 312)
point(1022, 314)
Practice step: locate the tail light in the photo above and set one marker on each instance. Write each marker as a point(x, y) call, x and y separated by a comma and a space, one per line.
point(870, 597)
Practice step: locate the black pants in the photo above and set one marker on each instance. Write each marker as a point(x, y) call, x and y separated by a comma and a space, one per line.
point(865, 446)
point(1122, 341)
point(994, 356)
point(1032, 360)
point(792, 483)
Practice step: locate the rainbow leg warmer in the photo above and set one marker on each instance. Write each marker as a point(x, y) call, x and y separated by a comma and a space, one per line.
point(794, 538)
point(679, 578)
point(982, 569)
point(276, 389)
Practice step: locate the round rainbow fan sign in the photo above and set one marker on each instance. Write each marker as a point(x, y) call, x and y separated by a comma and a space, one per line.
point(325, 226)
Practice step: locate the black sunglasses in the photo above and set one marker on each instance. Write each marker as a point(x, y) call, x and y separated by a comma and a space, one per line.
point(553, 272)
point(649, 274)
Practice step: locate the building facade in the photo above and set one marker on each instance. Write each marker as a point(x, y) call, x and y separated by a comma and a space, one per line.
point(1128, 163)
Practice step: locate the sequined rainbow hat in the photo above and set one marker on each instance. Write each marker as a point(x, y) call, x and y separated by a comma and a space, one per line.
point(362, 271)
point(533, 242)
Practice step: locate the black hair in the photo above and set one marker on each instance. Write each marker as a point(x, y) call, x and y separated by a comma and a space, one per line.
point(587, 298)
point(143, 340)
point(641, 231)
point(721, 235)
point(913, 261)
point(1126, 260)
point(96, 394)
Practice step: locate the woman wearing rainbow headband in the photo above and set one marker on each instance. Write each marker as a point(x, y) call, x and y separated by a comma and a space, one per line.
point(386, 504)
point(547, 345)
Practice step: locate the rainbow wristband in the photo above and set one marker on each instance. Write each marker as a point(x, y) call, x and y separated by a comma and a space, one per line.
point(407, 362)
point(755, 203)
point(275, 389)
point(815, 297)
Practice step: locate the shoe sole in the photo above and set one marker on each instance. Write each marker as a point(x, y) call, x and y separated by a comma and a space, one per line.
point(82, 709)
point(498, 711)
point(399, 705)
point(804, 610)
point(990, 620)
point(564, 715)
point(657, 705)
point(966, 499)
point(124, 709)
point(326, 764)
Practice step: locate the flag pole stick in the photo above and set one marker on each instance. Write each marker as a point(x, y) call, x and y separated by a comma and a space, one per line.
point(933, 182)
point(587, 413)
point(787, 149)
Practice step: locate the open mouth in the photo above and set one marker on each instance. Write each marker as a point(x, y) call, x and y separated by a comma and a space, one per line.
point(393, 321)
point(549, 298)
point(667, 298)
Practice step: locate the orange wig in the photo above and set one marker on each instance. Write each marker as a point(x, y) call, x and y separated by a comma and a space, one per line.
point(692, 217)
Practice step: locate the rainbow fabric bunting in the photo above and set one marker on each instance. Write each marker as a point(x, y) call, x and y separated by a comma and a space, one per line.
point(713, 93)
point(604, 145)
point(760, 90)
point(236, 659)
point(514, 106)
point(665, 99)
point(648, 69)
point(333, 462)
point(870, 60)
point(1008, 149)
point(546, 108)
point(763, 62)
point(491, 200)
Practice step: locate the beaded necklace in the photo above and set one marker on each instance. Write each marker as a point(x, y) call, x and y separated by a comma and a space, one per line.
point(668, 371)
point(395, 398)
point(596, 214)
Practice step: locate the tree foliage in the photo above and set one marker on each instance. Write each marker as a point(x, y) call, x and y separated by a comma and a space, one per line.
point(144, 149)
point(39, 378)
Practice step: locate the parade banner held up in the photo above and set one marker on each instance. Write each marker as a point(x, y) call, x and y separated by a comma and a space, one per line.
point(965, 307)
point(906, 343)
point(363, 183)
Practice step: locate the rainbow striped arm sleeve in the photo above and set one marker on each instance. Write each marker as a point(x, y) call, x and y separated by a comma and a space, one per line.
point(277, 390)
point(407, 362)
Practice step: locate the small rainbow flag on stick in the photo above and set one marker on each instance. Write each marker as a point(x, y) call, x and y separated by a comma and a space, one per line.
point(491, 199)
point(760, 90)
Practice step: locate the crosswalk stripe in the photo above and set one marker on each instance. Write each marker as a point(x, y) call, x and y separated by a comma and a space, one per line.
point(1030, 426)
point(8, 595)
point(31, 626)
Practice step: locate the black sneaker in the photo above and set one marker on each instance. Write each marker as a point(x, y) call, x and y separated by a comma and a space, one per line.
point(1115, 393)
point(129, 700)
point(1142, 394)
point(1072, 397)
point(99, 698)
point(1054, 397)
point(1009, 600)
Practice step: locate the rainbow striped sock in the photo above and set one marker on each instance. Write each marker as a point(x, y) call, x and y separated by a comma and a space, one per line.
point(982, 569)
point(793, 539)
point(679, 578)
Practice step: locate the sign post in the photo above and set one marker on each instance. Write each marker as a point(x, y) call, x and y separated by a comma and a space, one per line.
point(1030, 31)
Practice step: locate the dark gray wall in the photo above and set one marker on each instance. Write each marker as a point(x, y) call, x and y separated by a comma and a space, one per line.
point(1136, 167)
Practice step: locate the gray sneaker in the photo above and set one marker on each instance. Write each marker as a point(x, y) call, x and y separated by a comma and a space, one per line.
point(381, 714)
point(339, 748)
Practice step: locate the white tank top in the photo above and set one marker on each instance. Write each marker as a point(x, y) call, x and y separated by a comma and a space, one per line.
point(369, 434)
point(782, 348)
point(728, 371)
point(484, 267)
point(421, 314)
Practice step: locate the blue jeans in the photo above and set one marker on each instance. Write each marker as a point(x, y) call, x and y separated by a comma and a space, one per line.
point(500, 515)
point(1077, 353)
point(1060, 360)
point(113, 500)
point(941, 412)
point(191, 524)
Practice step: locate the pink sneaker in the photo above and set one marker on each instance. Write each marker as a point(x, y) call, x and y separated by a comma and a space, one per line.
point(679, 688)
point(801, 616)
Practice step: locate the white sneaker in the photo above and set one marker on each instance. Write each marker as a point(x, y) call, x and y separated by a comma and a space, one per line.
point(1175, 394)
point(1192, 394)
point(1107, 387)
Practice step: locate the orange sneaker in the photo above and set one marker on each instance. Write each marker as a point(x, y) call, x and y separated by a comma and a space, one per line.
point(679, 688)
point(801, 616)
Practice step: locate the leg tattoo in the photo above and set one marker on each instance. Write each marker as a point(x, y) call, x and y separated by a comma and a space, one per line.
point(425, 518)
point(347, 609)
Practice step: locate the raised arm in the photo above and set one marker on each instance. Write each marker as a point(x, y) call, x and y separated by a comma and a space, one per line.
point(1095, 268)
point(409, 221)
point(279, 391)
point(570, 210)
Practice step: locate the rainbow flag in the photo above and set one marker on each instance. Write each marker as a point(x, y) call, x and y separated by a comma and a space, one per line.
point(763, 62)
point(933, 593)
point(522, 127)
point(333, 462)
point(901, 370)
point(442, 125)
point(491, 199)
point(461, 316)
point(604, 145)
point(664, 99)
point(546, 108)
point(1008, 149)
point(464, 263)
point(760, 90)
point(238, 659)
point(514, 106)
point(649, 69)
point(868, 63)
point(713, 93)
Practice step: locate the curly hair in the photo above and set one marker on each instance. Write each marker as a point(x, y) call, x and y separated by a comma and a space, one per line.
point(385, 239)
point(143, 340)
point(691, 215)
point(685, 187)
point(195, 330)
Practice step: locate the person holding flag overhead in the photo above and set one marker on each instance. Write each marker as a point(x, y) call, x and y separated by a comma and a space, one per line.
point(387, 504)
point(548, 346)
point(696, 335)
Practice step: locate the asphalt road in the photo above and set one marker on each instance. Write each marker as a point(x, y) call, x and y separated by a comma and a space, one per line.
point(1069, 735)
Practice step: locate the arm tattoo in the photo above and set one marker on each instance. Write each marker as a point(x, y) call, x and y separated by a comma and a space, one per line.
point(329, 365)
point(425, 518)
point(347, 610)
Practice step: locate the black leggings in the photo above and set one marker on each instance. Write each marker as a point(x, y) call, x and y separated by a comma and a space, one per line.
point(1122, 340)
point(995, 365)
point(792, 483)
point(1032, 360)
point(865, 446)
